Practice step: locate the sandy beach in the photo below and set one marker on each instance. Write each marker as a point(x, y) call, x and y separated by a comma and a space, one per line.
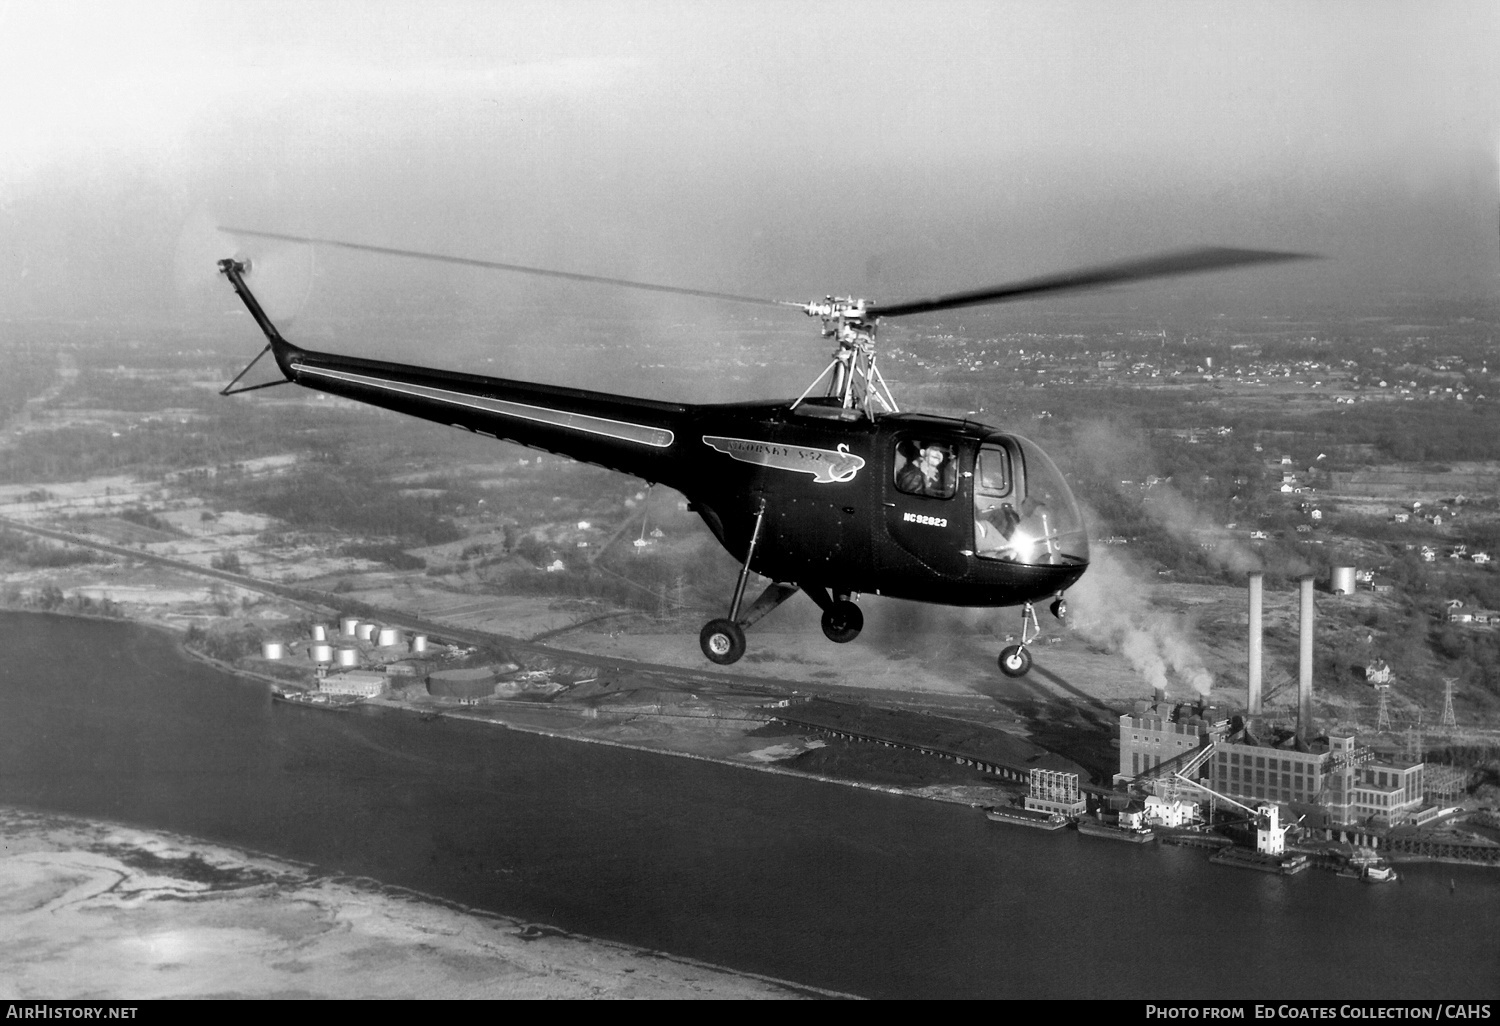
point(95, 910)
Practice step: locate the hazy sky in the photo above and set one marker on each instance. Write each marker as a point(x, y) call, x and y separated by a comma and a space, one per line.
point(783, 149)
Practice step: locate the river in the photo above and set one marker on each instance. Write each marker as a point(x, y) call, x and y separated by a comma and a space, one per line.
point(830, 886)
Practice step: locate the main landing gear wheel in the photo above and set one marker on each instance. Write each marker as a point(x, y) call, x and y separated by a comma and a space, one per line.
point(722, 641)
point(843, 622)
point(1015, 661)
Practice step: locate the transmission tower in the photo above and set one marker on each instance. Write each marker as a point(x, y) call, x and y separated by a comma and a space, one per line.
point(1383, 714)
point(1449, 722)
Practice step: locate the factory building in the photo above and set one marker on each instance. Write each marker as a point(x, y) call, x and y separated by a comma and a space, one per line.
point(1158, 732)
point(1249, 770)
point(363, 684)
point(1335, 775)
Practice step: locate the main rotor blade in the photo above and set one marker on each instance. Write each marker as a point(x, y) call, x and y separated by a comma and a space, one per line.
point(1166, 265)
point(497, 266)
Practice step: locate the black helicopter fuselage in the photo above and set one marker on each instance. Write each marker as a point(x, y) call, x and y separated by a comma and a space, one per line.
point(834, 514)
point(817, 495)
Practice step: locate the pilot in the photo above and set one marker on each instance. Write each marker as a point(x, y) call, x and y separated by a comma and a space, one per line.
point(930, 474)
point(994, 537)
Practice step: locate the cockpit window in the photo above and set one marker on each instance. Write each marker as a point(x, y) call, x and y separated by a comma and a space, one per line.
point(993, 471)
point(995, 514)
point(1023, 510)
point(926, 468)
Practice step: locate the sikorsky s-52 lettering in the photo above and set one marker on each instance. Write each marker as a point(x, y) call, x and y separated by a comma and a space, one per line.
point(833, 494)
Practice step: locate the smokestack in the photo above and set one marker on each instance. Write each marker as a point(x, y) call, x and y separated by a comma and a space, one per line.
point(1253, 670)
point(1305, 665)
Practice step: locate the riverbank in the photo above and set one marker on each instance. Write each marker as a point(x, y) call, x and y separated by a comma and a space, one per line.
point(100, 910)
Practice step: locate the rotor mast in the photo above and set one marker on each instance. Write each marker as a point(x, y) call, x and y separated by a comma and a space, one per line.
point(853, 378)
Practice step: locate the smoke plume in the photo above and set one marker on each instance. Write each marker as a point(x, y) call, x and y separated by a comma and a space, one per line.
point(1111, 608)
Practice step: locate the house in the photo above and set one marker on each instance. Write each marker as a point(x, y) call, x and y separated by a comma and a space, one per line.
point(1480, 557)
point(1378, 671)
point(1401, 518)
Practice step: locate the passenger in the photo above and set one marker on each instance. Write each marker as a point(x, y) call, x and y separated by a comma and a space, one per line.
point(931, 474)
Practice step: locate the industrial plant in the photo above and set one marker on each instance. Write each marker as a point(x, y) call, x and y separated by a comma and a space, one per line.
point(362, 660)
point(1296, 792)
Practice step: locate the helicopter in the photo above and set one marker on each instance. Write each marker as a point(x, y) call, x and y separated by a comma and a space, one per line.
point(833, 495)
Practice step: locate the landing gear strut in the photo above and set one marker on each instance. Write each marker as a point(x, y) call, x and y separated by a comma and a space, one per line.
point(723, 640)
point(1015, 660)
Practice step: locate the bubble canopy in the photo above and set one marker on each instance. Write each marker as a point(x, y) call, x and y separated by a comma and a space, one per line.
point(1024, 511)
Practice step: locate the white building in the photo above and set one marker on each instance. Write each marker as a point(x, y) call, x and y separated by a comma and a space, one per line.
point(354, 682)
point(1171, 814)
point(1270, 835)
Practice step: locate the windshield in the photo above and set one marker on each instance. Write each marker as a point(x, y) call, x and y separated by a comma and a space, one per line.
point(1024, 511)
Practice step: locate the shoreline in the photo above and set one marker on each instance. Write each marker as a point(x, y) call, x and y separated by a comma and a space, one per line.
point(931, 792)
point(104, 903)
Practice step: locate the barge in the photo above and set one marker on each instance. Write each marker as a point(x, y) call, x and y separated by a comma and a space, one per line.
point(1026, 817)
point(1244, 858)
point(315, 699)
point(1094, 828)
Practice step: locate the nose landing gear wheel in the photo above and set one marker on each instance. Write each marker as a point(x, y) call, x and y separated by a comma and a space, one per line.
point(1015, 661)
point(722, 641)
point(843, 622)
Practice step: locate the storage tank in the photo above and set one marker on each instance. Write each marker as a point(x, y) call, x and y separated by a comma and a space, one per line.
point(348, 625)
point(321, 652)
point(419, 643)
point(388, 636)
point(1343, 580)
point(348, 657)
point(474, 683)
point(272, 650)
point(320, 632)
point(364, 631)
